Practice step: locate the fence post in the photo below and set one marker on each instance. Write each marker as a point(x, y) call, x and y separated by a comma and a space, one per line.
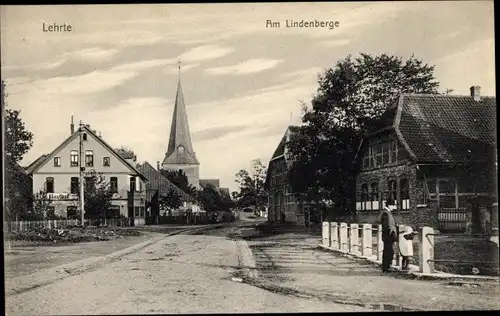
point(380, 244)
point(494, 223)
point(343, 240)
point(366, 241)
point(354, 239)
point(334, 235)
point(326, 234)
point(426, 249)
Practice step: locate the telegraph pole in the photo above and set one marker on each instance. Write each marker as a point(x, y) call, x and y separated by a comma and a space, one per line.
point(81, 168)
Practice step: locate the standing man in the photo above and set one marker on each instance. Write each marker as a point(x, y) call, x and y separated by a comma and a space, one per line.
point(389, 234)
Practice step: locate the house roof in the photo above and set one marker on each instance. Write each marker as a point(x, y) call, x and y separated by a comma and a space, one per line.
point(280, 150)
point(44, 158)
point(158, 182)
point(35, 163)
point(213, 182)
point(443, 128)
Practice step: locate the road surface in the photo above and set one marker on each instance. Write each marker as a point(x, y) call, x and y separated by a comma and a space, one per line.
point(188, 273)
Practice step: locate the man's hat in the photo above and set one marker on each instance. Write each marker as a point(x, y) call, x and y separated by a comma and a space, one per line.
point(390, 201)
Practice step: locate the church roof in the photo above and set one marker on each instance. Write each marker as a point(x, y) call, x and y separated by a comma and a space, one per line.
point(179, 134)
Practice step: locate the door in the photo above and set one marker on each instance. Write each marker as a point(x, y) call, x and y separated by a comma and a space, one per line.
point(277, 209)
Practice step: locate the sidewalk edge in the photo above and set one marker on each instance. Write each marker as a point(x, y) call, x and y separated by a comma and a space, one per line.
point(438, 275)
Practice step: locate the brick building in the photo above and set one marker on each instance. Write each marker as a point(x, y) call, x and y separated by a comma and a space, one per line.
point(433, 153)
point(282, 205)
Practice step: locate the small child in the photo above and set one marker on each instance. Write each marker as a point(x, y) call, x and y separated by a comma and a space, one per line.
point(406, 246)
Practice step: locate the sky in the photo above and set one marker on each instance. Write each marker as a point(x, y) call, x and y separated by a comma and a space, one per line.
point(243, 82)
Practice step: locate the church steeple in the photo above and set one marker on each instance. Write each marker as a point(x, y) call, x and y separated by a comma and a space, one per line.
point(180, 138)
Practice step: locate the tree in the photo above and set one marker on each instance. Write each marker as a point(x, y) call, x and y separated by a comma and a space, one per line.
point(179, 178)
point(171, 201)
point(350, 99)
point(41, 207)
point(209, 198)
point(251, 189)
point(18, 140)
point(97, 195)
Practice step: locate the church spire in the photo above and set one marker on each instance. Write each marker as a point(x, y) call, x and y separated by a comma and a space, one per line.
point(179, 131)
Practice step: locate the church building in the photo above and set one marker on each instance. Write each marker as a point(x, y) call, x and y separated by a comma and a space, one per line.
point(180, 154)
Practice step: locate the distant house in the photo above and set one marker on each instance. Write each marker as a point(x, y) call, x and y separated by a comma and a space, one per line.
point(433, 154)
point(159, 186)
point(282, 205)
point(57, 175)
point(213, 182)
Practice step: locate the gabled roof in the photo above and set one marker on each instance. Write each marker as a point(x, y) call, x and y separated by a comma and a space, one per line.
point(35, 163)
point(158, 182)
point(213, 182)
point(279, 152)
point(44, 158)
point(444, 128)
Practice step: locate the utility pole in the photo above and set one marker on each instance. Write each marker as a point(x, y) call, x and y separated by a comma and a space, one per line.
point(82, 168)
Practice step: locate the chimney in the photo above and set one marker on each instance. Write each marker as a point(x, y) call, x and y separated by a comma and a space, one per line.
point(100, 135)
point(158, 165)
point(72, 126)
point(475, 93)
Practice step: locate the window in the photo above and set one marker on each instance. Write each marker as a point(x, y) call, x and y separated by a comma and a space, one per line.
point(74, 185)
point(371, 157)
point(393, 149)
point(385, 153)
point(132, 184)
point(89, 183)
point(49, 185)
point(139, 187)
point(374, 196)
point(84, 136)
point(391, 190)
point(378, 155)
point(366, 161)
point(51, 212)
point(89, 158)
point(114, 184)
point(404, 194)
point(71, 212)
point(74, 158)
point(181, 149)
point(57, 161)
point(137, 211)
point(113, 212)
point(366, 196)
point(363, 198)
point(106, 161)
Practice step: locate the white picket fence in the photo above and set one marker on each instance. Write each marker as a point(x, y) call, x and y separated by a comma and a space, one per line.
point(358, 240)
point(19, 226)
